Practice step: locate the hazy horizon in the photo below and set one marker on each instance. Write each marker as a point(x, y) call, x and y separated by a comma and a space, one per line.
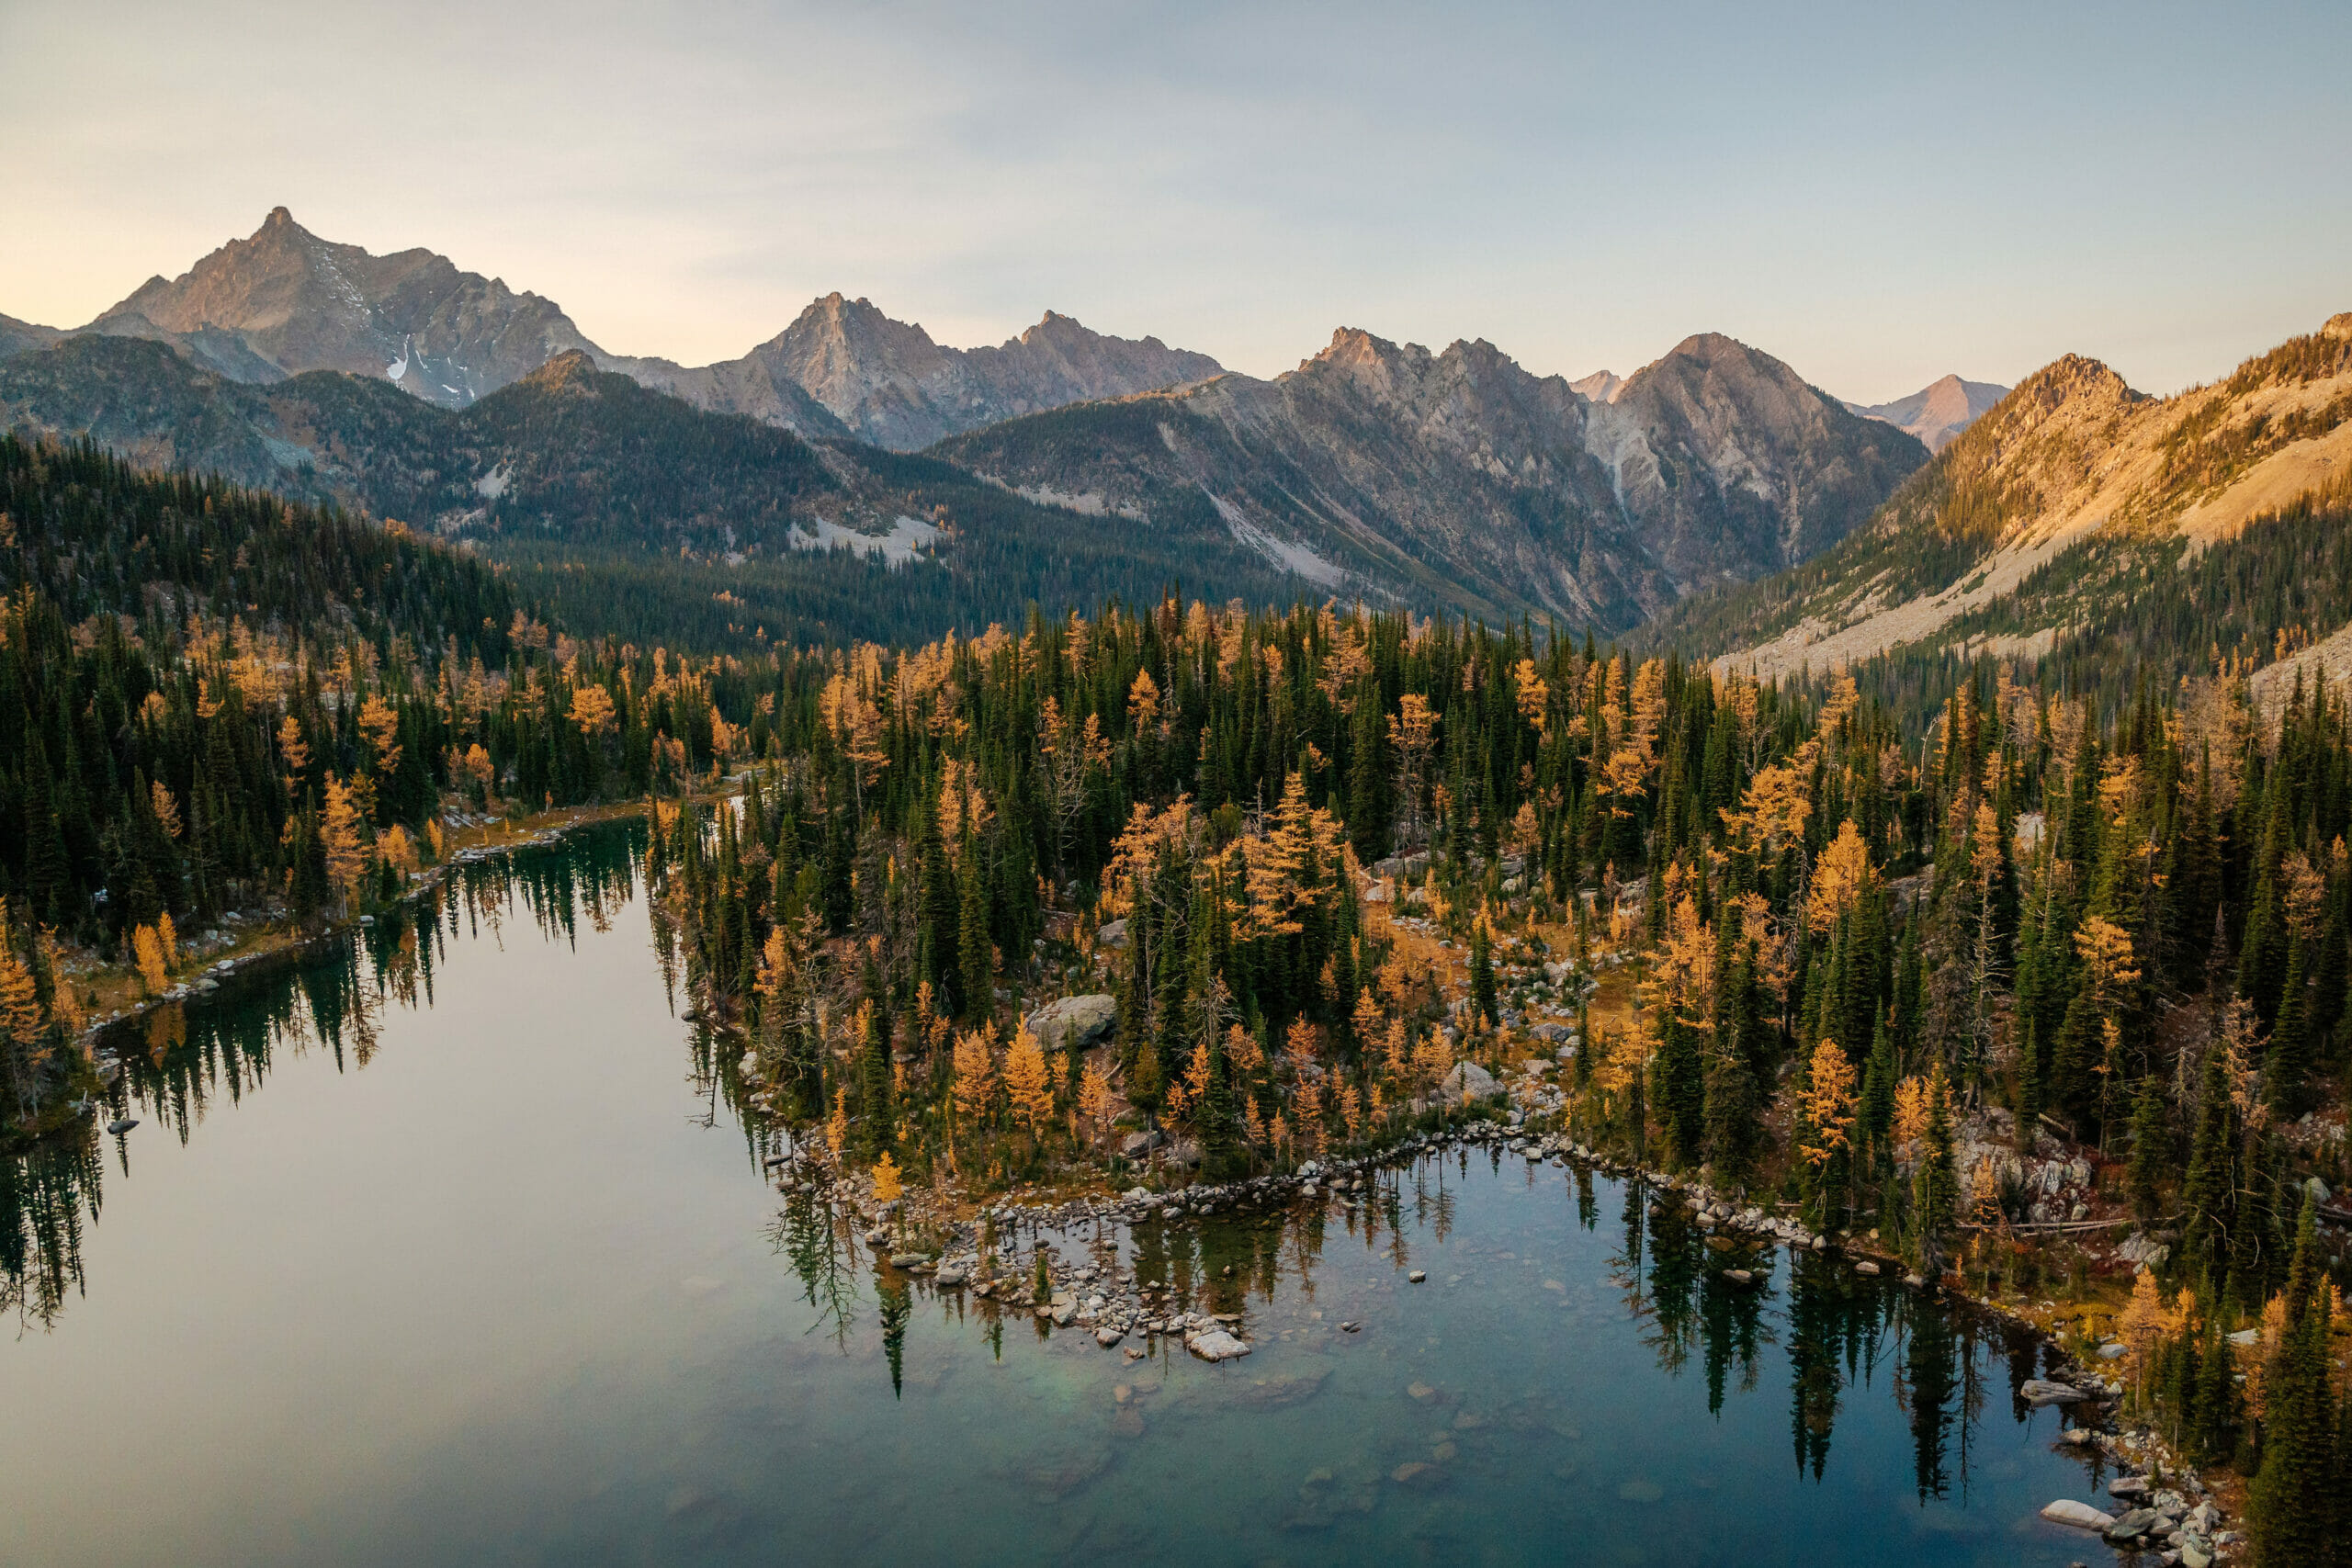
point(1878, 201)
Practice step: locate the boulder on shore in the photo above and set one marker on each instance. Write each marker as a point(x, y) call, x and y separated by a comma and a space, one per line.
point(1468, 1081)
point(1074, 1022)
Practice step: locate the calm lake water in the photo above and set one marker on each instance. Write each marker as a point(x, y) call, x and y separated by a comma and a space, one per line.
point(448, 1246)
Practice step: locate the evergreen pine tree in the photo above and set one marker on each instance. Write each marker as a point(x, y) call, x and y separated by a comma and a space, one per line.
point(2151, 1149)
point(2293, 1507)
point(975, 954)
point(1486, 1010)
point(2286, 1074)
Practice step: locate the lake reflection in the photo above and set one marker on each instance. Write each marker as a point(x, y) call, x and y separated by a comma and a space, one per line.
point(449, 1243)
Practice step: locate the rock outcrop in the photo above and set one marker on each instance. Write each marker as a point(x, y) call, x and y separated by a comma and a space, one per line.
point(1074, 1022)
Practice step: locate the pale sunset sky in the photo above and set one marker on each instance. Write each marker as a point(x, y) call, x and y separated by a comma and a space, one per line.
point(1877, 194)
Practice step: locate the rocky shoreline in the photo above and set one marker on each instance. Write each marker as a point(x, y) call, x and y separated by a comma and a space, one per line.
point(2170, 1514)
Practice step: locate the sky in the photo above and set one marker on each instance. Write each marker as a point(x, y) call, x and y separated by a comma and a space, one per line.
point(1879, 195)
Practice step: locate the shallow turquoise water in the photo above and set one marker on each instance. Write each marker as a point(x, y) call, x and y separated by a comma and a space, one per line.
point(445, 1245)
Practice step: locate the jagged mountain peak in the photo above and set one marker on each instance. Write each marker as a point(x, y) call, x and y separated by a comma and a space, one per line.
point(2074, 384)
point(282, 301)
point(2071, 454)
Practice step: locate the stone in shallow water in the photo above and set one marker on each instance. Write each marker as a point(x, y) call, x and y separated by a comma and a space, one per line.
point(2082, 1515)
point(2037, 1392)
point(1640, 1489)
point(1216, 1345)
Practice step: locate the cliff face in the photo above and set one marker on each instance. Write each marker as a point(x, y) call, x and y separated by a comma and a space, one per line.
point(1735, 466)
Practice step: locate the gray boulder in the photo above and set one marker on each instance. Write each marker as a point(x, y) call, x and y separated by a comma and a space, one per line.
point(1468, 1081)
point(2082, 1515)
point(1113, 935)
point(1074, 1022)
point(1216, 1345)
point(2037, 1392)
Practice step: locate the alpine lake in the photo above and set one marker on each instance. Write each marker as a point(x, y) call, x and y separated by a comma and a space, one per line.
point(446, 1241)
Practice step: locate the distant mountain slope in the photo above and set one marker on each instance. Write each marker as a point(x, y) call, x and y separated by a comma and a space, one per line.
point(2030, 512)
point(1600, 387)
point(1460, 478)
point(284, 301)
point(17, 336)
point(624, 508)
point(1935, 413)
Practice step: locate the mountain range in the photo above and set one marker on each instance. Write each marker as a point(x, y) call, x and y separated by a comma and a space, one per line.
point(1459, 477)
point(1453, 479)
point(284, 301)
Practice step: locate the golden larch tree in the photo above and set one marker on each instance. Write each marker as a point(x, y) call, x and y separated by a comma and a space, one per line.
point(1026, 1083)
point(339, 835)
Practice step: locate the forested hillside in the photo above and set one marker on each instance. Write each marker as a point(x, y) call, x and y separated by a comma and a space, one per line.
point(216, 701)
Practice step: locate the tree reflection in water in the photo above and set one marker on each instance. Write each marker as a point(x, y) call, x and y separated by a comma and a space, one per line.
point(814, 1237)
point(179, 1061)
